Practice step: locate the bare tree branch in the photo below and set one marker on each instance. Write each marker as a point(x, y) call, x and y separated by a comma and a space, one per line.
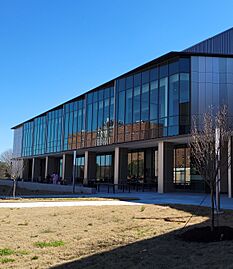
point(208, 141)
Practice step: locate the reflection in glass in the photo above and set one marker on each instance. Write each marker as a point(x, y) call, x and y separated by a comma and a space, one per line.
point(104, 168)
point(136, 167)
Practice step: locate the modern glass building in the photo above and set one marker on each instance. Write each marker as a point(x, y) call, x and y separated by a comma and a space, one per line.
point(134, 128)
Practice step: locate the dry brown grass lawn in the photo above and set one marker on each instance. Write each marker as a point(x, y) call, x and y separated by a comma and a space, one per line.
point(107, 237)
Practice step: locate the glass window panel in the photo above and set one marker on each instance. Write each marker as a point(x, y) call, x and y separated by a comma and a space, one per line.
point(71, 107)
point(153, 100)
point(106, 93)
point(80, 118)
point(121, 108)
point(112, 91)
point(101, 94)
point(98, 167)
point(188, 165)
point(173, 130)
point(95, 116)
point(100, 114)
point(163, 71)
point(174, 68)
point(173, 95)
point(103, 166)
point(141, 165)
point(180, 165)
point(137, 79)
point(121, 84)
point(184, 64)
point(106, 111)
point(95, 96)
point(163, 94)
point(129, 82)
point(129, 165)
point(136, 104)
point(128, 106)
point(89, 117)
point(107, 160)
point(112, 109)
point(184, 88)
point(153, 74)
point(145, 102)
point(145, 77)
point(89, 98)
point(134, 165)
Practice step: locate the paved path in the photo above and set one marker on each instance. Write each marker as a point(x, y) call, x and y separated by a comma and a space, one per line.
point(142, 198)
point(64, 203)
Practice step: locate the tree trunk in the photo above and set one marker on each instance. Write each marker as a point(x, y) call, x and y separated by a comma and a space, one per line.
point(212, 208)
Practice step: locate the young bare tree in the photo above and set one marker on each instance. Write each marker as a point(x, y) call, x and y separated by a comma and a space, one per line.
point(14, 167)
point(208, 140)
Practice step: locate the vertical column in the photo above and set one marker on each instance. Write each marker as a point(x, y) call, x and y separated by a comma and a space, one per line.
point(74, 170)
point(46, 166)
point(35, 169)
point(120, 165)
point(165, 167)
point(89, 167)
point(230, 159)
point(67, 169)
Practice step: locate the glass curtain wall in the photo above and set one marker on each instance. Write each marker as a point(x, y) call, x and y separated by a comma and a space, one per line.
point(136, 167)
point(182, 166)
point(54, 131)
point(27, 144)
point(68, 126)
point(79, 169)
point(185, 175)
point(149, 104)
point(99, 120)
point(154, 103)
point(73, 125)
point(104, 168)
point(39, 145)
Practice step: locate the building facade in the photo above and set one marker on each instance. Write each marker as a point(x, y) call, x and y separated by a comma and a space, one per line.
point(136, 127)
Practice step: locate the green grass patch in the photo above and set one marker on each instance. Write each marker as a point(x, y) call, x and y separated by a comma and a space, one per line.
point(6, 251)
point(142, 208)
point(23, 252)
point(49, 244)
point(6, 260)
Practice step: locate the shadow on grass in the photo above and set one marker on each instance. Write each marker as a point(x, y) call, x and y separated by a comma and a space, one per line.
point(163, 251)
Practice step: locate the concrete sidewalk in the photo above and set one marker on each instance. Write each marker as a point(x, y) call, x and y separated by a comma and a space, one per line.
point(142, 198)
point(202, 199)
point(65, 203)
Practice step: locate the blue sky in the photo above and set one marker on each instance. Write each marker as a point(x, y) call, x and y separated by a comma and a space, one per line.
point(54, 50)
